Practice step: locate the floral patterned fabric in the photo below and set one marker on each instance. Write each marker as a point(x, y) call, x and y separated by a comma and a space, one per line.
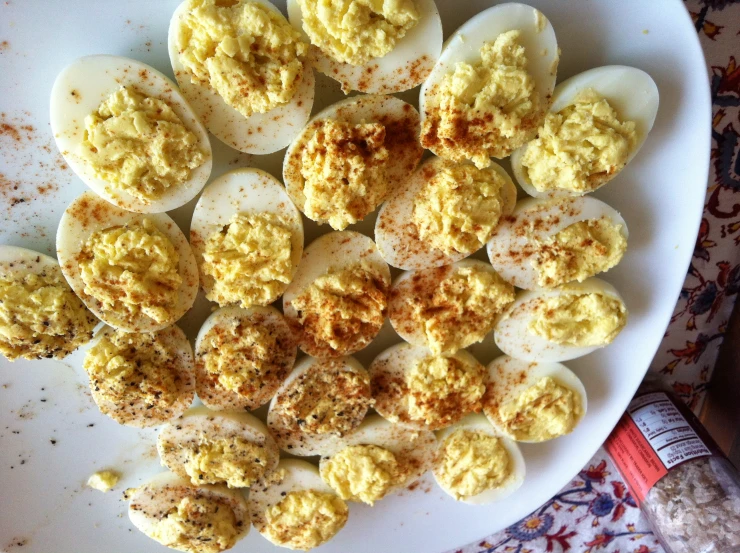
point(594, 512)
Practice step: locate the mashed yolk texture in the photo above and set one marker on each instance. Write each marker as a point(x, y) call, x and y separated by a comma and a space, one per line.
point(236, 461)
point(132, 270)
point(361, 473)
point(487, 109)
point(249, 260)
point(247, 53)
point(580, 147)
point(139, 145)
point(356, 31)
point(305, 519)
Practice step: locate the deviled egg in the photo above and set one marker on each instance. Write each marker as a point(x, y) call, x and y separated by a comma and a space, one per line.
point(561, 323)
point(318, 404)
point(218, 447)
point(350, 156)
point(533, 402)
point(448, 308)
point(242, 356)
point(378, 459)
point(294, 508)
point(546, 243)
point(247, 237)
point(491, 88)
point(245, 71)
point(373, 47)
point(338, 299)
point(179, 515)
point(475, 463)
point(134, 272)
point(141, 378)
point(413, 387)
point(128, 133)
point(597, 123)
point(443, 213)
point(40, 315)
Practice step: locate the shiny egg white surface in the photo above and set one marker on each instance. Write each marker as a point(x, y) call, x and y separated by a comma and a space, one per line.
point(662, 234)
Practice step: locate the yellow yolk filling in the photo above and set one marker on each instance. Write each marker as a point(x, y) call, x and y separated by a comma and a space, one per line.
point(486, 109)
point(580, 147)
point(247, 53)
point(236, 461)
point(138, 144)
point(40, 317)
point(543, 411)
point(361, 473)
point(356, 31)
point(579, 320)
point(249, 260)
point(472, 462)
point(343, 168)
point(305, 519)
point(132, 270)
point(459, 207)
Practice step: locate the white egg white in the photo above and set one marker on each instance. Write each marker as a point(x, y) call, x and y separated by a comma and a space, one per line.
point(217, 397)
point(245, 191)
point(400, 119)
point(630, 91)
point(152, 501)
point(17, 262)
point(79, 90)
point(409, 285)
point(478, 423)
point(398, 237)
point(287, 431)
point(297, 475)
point(519, 237)
point(508, 378)
point(404, 67)
point(87, 214)
point(537, 37)
point(261, 133)
point(336, 250)
point(512, 334)
point(186, 432)
point(388, 376)
point(412, 448)
point(138, 413)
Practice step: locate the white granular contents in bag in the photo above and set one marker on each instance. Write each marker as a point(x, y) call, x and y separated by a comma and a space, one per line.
point(697, 508)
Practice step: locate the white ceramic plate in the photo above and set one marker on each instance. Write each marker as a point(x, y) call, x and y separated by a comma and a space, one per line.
point(48, 446)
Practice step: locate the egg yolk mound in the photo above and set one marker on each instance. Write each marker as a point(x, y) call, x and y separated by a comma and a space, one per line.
point(458, 209)
point(343, 168)
point(236, 461)
point(462, 309)
point(361, 473)
point(579, 320)
point(198, 525)
point(103, 480)
point(471, 462)
point(249, 260)
point(580, 251)
point(138, 144)
point(326, 400)
point(356, 31)
point(132, 270)
point(132, 367)
point(242, 356)
point(41, 318)
point(485, 110)
point(543, 411)
point(580, 147)
point(342, 310)
point(305, 519)
point(443, 389)
point(247, 53)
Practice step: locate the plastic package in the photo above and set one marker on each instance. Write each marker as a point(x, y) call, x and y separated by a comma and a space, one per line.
point(688, 490)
